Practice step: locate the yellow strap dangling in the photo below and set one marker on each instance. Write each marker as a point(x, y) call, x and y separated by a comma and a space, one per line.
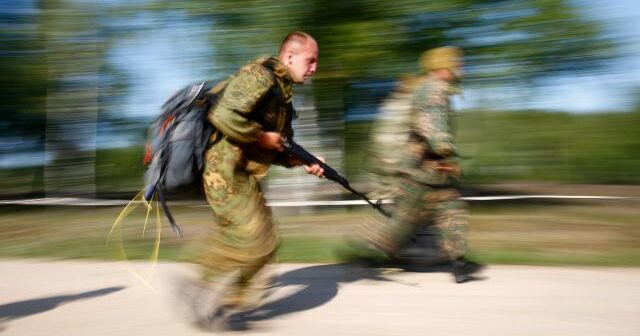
point(117, 227)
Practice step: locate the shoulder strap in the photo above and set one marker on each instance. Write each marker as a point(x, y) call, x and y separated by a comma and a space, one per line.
point(270, 63)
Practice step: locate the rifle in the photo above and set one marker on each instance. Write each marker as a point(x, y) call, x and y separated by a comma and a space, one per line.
point(292, 148)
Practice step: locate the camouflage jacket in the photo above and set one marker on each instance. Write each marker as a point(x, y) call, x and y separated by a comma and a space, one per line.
point(431, 120)
point(255, 99)
point(431, 132)
point(412, 135)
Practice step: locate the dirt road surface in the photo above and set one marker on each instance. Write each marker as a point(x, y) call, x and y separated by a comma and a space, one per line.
point(39, 297)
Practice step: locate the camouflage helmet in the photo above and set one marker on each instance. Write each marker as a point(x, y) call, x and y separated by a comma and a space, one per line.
point(441, 58)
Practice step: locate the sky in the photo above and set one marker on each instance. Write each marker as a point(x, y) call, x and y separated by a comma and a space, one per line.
point(609, 91)
point(603, 92)
point(160, 61)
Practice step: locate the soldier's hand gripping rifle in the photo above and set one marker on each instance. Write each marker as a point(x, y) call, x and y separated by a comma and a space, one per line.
point(292, 148)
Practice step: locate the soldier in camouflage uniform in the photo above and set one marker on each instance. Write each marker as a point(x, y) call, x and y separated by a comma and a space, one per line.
point(252, 116)
point(425, 175)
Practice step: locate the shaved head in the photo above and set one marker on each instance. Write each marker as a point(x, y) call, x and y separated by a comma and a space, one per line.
point(299, 53)
point(295, 40)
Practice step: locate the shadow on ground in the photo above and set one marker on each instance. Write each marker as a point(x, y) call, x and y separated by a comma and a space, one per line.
point(20, 309)
point(320, 284)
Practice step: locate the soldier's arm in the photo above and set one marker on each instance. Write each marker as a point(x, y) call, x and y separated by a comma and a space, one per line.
point(231, 115)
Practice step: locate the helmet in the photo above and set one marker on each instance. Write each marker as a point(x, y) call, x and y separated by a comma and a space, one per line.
point(441, 58)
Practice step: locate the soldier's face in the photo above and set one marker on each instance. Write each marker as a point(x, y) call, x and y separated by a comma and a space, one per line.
point(453, 74)
point(303, 62)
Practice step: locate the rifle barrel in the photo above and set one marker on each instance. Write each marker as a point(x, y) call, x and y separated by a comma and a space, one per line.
point(330, 173)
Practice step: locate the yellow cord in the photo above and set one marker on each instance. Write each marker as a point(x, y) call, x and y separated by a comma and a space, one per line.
point(117, 227)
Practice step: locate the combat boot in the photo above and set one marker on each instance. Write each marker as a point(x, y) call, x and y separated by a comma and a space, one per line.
point(464, 270)
point(201, 301)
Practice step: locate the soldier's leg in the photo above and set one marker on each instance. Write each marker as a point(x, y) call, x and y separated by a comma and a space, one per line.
point(429, 239)
point(240, 249)
point(451, 218)
point(391, 234)
point(244, 239)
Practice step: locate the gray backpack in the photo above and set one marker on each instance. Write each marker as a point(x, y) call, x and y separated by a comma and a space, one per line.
point(176, 143)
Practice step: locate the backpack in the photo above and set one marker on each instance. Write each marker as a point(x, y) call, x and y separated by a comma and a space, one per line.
point(178, 138)
point(176, 142)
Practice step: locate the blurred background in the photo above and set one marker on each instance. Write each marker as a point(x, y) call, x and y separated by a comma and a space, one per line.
point(551, 105)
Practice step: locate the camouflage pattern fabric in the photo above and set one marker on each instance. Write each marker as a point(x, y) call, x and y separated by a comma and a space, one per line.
point(423, 194)
point(432, 122)
point(389, 132)
point(244, 238)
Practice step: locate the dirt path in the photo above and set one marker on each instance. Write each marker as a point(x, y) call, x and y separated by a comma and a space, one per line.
point(92, 298)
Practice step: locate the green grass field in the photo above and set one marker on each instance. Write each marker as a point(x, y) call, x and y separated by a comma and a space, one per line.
point(569, 233)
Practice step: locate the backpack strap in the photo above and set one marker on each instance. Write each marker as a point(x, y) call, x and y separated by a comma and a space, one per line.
point(167, 212)
point(271, 65)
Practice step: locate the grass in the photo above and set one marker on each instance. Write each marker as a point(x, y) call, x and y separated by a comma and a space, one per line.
point(603, 233)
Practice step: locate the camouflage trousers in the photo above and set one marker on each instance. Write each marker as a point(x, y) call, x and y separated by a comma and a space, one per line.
point(243, 239)
point(416, 205)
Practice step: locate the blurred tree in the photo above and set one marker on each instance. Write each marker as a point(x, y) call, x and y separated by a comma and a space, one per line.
point(73, 46)
point(504, 40)
point(54, 78)
point(22, 81)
